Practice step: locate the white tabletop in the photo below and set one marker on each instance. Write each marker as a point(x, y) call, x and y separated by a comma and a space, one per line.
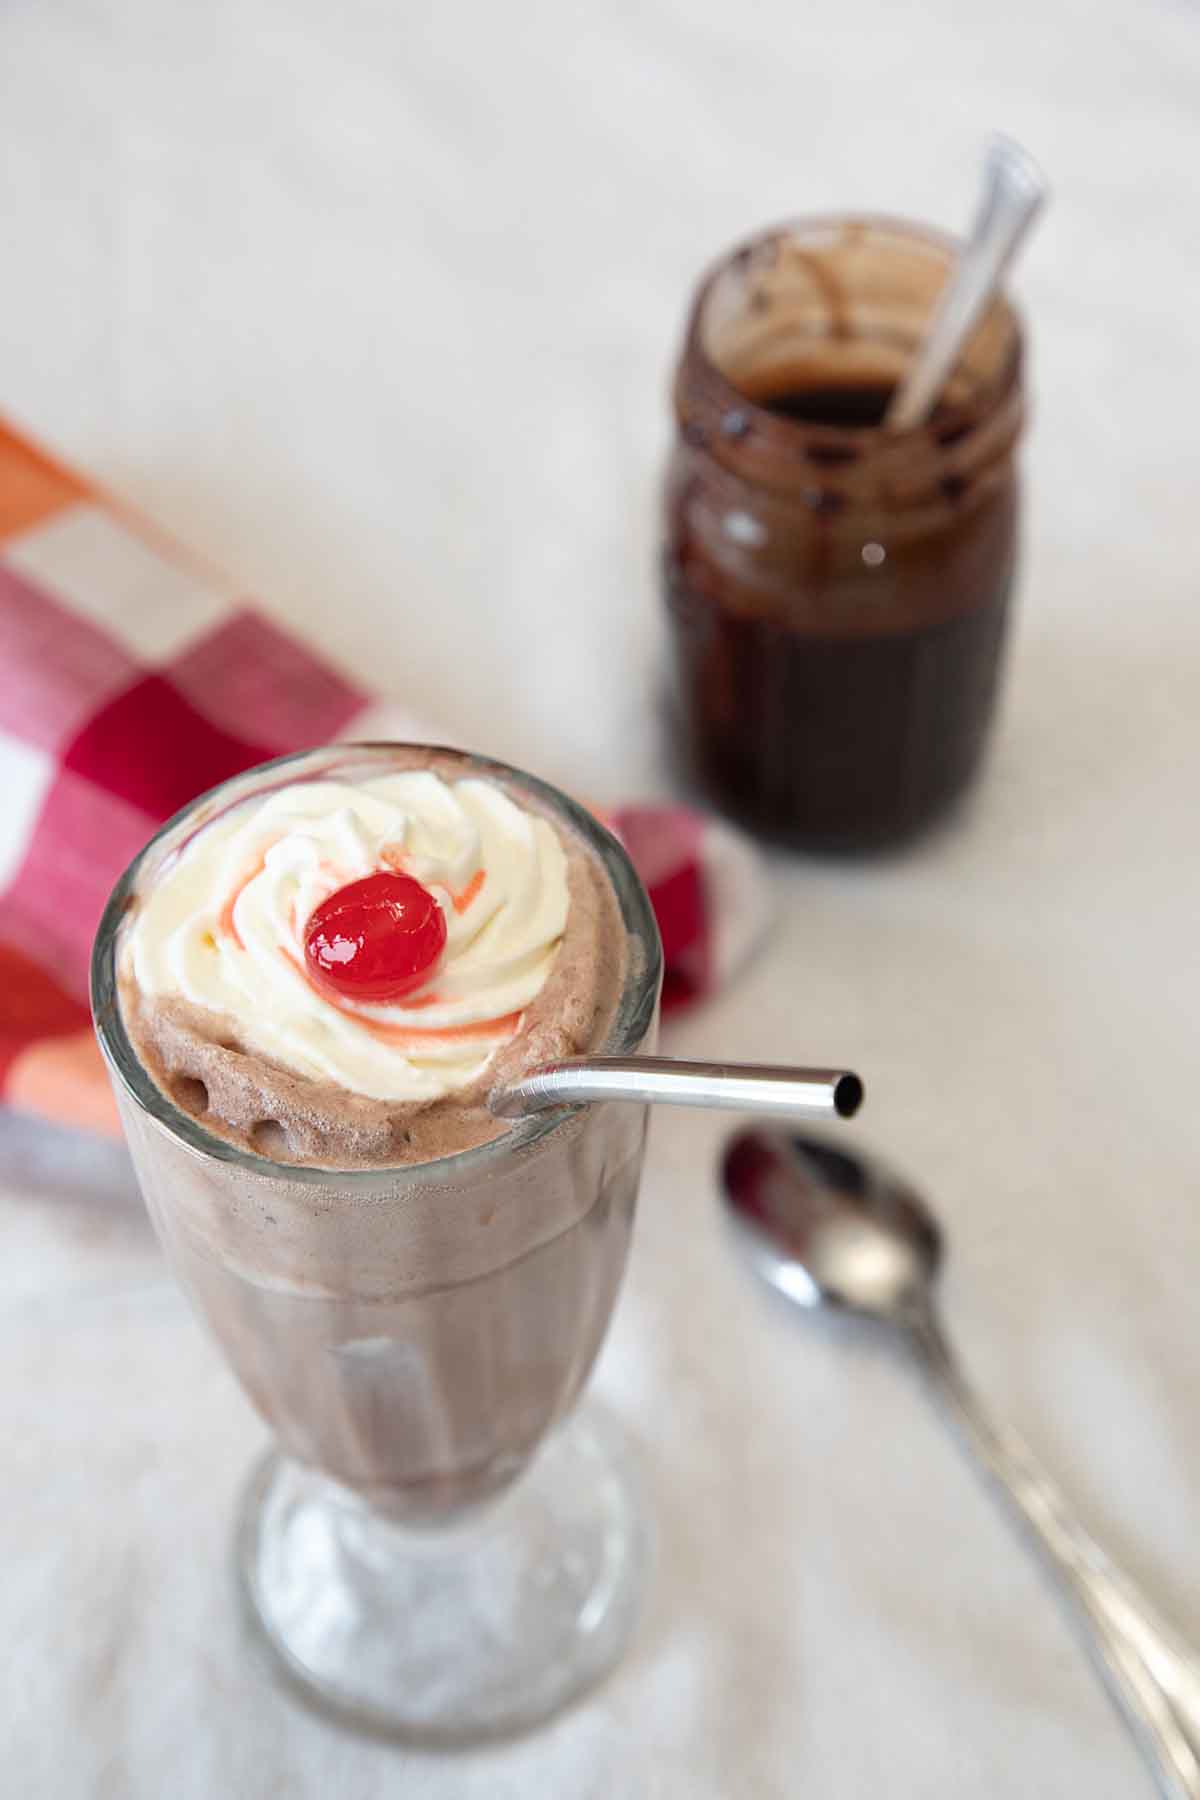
point(375, 305)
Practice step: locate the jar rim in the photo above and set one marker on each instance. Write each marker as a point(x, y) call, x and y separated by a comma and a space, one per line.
point(631, 1021)
point(794, 438)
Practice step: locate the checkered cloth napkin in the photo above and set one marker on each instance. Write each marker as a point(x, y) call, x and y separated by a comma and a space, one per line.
point(132, 678)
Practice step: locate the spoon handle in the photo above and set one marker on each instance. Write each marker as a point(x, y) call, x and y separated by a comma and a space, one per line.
point(1014, 193)
point(1150, 1671)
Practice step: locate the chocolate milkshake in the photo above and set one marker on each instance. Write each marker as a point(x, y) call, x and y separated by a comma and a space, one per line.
point(306, 989)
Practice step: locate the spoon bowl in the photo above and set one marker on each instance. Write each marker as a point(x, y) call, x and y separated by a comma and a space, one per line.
point(825, 1227)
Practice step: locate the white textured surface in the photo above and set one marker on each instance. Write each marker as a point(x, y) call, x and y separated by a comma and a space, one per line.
point(374, 305)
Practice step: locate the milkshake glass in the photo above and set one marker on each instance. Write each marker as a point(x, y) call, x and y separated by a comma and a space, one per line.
point(433, 1546)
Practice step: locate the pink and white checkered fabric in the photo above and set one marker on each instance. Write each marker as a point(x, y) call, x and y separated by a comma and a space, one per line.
point(132, 680)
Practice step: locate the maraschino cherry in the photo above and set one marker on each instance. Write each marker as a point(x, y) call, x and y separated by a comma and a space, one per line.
point(375, 939)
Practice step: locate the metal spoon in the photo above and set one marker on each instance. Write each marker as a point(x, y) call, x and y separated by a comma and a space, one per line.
point(828, 1228)
point(1015, 191)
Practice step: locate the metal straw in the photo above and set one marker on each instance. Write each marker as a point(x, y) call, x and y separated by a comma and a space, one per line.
point(779, 1092)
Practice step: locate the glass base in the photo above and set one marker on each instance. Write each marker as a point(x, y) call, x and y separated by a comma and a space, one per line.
point(452, 1636)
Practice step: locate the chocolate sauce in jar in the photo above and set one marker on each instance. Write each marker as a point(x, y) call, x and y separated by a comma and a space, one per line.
point(840, 406)
point(837, 594)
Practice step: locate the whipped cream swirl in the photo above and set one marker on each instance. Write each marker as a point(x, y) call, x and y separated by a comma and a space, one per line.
point(223, 927)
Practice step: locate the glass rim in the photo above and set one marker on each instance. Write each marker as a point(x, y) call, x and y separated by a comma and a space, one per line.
point(630, 1023)
point(945, 244)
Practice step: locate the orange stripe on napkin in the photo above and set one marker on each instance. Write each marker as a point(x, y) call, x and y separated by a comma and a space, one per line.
point(50, 1062)
point(32, 484)
point(64, 1079)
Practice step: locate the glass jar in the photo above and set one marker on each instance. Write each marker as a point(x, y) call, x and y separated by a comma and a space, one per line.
point(837, 593)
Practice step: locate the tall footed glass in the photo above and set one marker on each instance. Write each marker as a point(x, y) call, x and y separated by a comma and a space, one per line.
point(434, 1546)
